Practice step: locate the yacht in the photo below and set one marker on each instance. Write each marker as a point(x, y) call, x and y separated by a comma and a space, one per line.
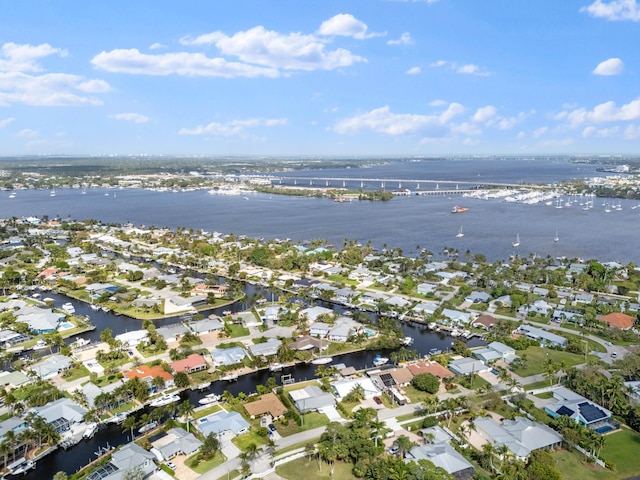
point(380, 360)
point(69, 308)
point(517, 242)
point(556, 238)
point(230, 377)
point(12, 195)
point(164, 400)
point(406, 341)
point(211, 398)
point(276, 367)
point(149, 426)
point(118, 418)
point(52, 193)
point(322, 360)
point(40, 344)
point(90, 430)
point(95, 307)
point(21, 466)
point(460, 234)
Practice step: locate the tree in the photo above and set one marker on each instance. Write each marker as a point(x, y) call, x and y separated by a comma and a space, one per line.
point(186, 410)
point(60, 476)
point(210, 446)
point(404, 444)
point(129, 424)
point(426, 382)
point(181, 380)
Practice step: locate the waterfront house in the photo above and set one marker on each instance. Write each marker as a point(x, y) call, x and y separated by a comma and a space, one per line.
point(42, 320)
point(129, 458)
point(51, 366)
point(426, 309)
point(618, 320)
point(312, 399)
point(178, 304)
point(343, 387)
point(581, 410)
point(265, 349)
point(223, 424)
point(223, 357)
point(217, 291)
point(61, 413)
point(267, 404)
point(543, 336)
point(521, 436)
point(193, 363)
point(306, 342)
point(456, 316)
point(147, 374)
point(208, 325)
point(312, 313)
point(343, 328)
point(484, 321)
point(319, 329)
point(434, 368)
point(175, 442)
point(10, 338)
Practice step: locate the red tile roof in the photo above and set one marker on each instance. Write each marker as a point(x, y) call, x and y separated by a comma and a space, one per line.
point(618, 320)
point(434, 368)
point(142, 372)
point(187, 364)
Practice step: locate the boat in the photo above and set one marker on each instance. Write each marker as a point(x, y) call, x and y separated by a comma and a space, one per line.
point(211, 398)
point(164, 400)
point(90, 430)
point(380, 360)
point(226, 312)
point(407, 341)
point(81, 342)
point(95, 307)
point(323, 360)
point(556, 238)
point(12, 195)
point(203, 385)
point(40, 344)
point(117, 418)
point(459, 209)
point(230, 377)
point(276, 367)
point(149, 426)
point(517, 242)
point(105, 309)
point(69, 308)
point(21, 466)
point(52, 193)
point(460, 234)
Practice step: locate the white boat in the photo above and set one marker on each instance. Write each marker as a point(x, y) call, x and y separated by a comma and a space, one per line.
point(40, 344)
point(460, 234)
point(81, 342)
point(21, 466)
point(323, 360)
point(407, 341)
point(211, 398)
point(52, 193)
point(69, 308)
point(556, 238)
point(90, 430)
point(164, 400)
point(117, 418)
point(105, 309)
point(203, 385)
point(379, 360)
point(276, 367)
point(95, 307)
point(517, 242)
point(147, 427)
point(230, 377)
point(12, 195)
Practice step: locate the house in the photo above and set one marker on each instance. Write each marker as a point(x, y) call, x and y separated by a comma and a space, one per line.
point(193, 363)
point(561, 315)
point(306, 342)
point(319, 329)
point(61, 413)
point(127, 458)
point(271, 314)
point(426, 309)
point(147, 374)
point(268, 403)
point(544, 337)
point(456, 316)
point(175, 442)
point(426, 288)
point(43, 321)
point(222, 424)
point(581, 410)
point(223, 357)
point(217, 291)
point(343, 387)
point(478, 297)
point(11, 380)
point(540, 307)
point(618, 320)
point(51, 366)
point(467, 366)
point(521, 436)
point(311, 399)
point(208, 325)
point(444, 456)
point(485, 321)
point(173, 332)
point(265, 349)
point(540, 291)
point(12, 424)
point(91, 391)
point(312, 313)
point(496, 351)
point(584, 297)
point(434, 368)
point(343, 328)
point(132, 338)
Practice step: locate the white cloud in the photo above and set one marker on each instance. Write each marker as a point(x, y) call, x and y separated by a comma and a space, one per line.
point(631, 132)
point(405, 39)
point(612, 66)
point(485, 114)
point(382, 120)
point(51, 89)
point(521, 134)
point(233, 128)
point(23, 58)
point(131, 117)
point(187, 64)
point(6, 121)
point(346, 25)
point(591, 131)
point(539, 132)
point(437, 103)
point(605, 112)
point(157, 46)
point(468, 69)
point(27, 133)
point(614, 10)
point(94, 86)
point(414, 71)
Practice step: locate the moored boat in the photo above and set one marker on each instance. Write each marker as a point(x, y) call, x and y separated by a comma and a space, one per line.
point(90, 430)
point(164, 400)
point(323, 360)
point(149, 426)
point(380, 360)
point(20, 466)
point(230, 377)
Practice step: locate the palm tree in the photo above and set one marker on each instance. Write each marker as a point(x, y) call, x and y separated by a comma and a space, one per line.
point(129, 424)
point(186, 410)
point(404, 444)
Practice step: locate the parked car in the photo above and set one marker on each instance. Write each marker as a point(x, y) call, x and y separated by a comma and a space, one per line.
point(171, 465)
point(394, 449)
point(272, 427)
point(377, 400)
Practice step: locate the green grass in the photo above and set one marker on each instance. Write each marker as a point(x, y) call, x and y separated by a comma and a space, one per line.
point(206, 411)
point(311, 420)
point(292, 470)
point(237, 330)
point(76, 373)
point(572, 465)
point(243, 441)
point(205, 466)
point(621, 448)
point(537, 356)
point(545, 395)
point(416, 396)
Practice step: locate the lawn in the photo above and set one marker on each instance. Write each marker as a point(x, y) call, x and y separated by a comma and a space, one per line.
point(205, 466)
point(621, 448)
point(75, 373)
point(206, 411)
point(310, 421)
point(237, 330)
point(571, 465)
point(292, 470)
point(537, 356)
point(416, 396)
point(243, 441)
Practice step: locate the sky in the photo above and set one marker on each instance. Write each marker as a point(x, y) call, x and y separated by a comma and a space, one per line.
point(319, 78)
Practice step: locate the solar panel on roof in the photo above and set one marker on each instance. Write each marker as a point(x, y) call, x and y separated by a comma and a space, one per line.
point(565, 411)
point(387, 379)
point(590, 412)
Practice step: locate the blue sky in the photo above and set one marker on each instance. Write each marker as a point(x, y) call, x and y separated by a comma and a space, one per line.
point(301, 77)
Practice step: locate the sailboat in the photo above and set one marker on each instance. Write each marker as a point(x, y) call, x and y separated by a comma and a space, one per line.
point(517, 242)
point(460, 234)
point(322, 359)
point(52, 193)
point(556, 238)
